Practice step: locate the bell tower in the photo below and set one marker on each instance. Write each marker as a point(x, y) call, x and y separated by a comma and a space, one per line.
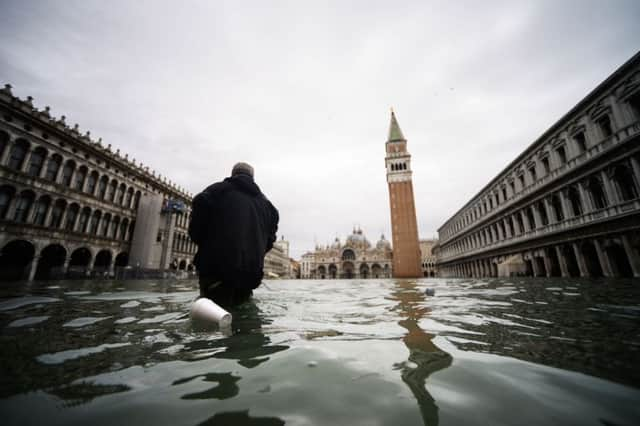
point(404, 226)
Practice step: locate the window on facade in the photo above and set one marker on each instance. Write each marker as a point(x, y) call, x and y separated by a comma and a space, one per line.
point(531, 218)
point(84, 219)
point(581, 141)
point(36, 161)
point(23, 204)
point(72, 215)
point(123, 230)
point(56, 214)
point(510, 225)
point(95, 221)
point(490, 202)
point(102, 187)
point(533, 175)
point(67, 173)
point(40, 210)
point(576, 202)
point(562, 155)
point(504, 194)
point(91, 182)
point(159, 237)
point(17, 155)
point(521, 179)
point(4, 141)
point(519, 223)
point(52, 167)
point(604, 124)
point(111, 191)
point(512, 186)
point(542, 210)
point(557, 207)
point(81, 175)
point(625, 183)
point(127, 201)
point(121, 190)
point(114, 227)
point(6, 194)
point(136, 200)
point(105, 225)
point(597, 193)
point(545, 165)
point(634, 103)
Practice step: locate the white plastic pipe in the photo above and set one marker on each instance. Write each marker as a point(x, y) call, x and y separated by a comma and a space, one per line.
point(205, 310)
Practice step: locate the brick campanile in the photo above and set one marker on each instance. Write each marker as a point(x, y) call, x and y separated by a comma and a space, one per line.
point(404, 226)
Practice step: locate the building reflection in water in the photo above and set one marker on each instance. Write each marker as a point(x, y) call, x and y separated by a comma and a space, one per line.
point(424, 356)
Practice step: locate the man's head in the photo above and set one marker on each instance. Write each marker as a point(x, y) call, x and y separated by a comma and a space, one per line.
point(242, 169)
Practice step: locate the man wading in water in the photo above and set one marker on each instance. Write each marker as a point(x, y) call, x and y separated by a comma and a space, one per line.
point(234, 225)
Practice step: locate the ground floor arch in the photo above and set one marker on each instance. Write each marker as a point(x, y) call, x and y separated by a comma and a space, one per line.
point(51, 263)
point(15, 258)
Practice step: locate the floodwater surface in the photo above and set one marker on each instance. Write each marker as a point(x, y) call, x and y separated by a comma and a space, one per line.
point(331, 352)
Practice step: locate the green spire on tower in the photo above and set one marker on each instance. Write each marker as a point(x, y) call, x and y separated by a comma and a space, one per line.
point(395, 134)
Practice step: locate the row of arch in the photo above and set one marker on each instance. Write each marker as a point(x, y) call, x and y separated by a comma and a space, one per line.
point(594, 131)
point(598, 191)
point(20, 260)
point(28, 208)
point(348, 270)
point(182, 243)
point(617, 256)
point(19, 156)
point(398, 166)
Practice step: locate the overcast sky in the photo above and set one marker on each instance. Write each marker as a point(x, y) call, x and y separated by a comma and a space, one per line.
point(302, 91)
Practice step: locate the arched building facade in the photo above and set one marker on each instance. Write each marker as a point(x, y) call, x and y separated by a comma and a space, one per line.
point(356, 258)
point(69, 205)
point(569, 205)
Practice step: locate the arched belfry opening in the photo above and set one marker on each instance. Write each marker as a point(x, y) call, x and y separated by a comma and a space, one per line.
point(404, 226)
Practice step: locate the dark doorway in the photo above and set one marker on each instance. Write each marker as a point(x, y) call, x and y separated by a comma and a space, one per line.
point(51, 263)
point(554, 263)
point(542, 269)
point(122, 259)
point(619, 261)
point(79, 263)
point(15, 258)
point(591, 260)
point(570, 259)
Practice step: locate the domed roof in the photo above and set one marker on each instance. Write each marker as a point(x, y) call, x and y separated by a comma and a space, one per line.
point(383, 243)
point(357, 238)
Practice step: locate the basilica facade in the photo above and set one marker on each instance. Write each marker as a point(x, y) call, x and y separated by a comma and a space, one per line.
point(356, 258)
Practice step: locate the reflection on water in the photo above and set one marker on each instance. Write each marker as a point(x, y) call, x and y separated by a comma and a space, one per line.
point(323, 352)
point(424, 357)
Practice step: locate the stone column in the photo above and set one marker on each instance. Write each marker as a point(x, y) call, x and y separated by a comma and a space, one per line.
point(564, 269)
point(551, 213)
point(584, 272)
point(536, 216)
point(634, 259)
point(525, 221)
point(507, 228)
point(65, 266)
point(47, 215)
point(33, 267)
point(92, 263)
point(635, 165)
point(585, 199)
point(499, 231)
point(547, 262)
point(612, 197)
point(534, 265)
point(5, 154)
point(565, 203)
point(26, 161)
point(603, 259)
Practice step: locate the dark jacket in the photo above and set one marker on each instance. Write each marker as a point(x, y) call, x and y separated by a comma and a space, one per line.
point(234, 226)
